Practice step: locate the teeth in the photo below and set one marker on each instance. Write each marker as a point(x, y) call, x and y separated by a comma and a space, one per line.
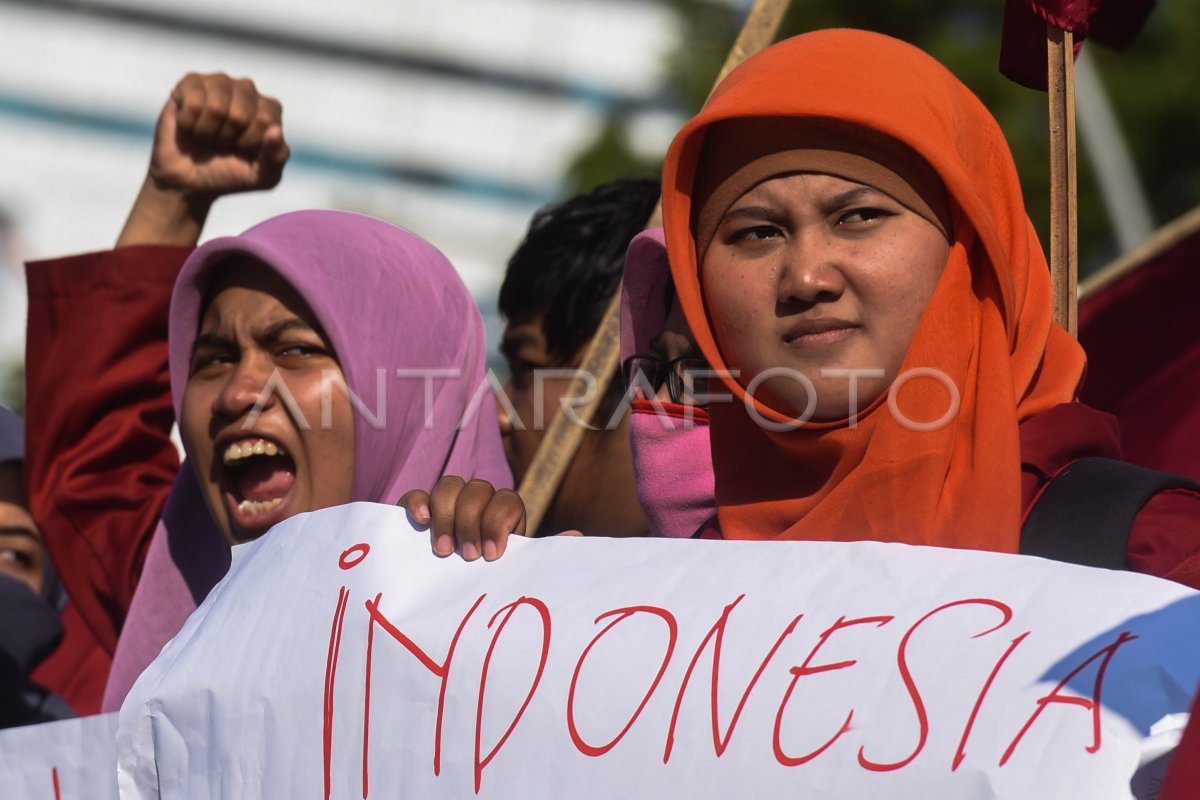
point(250, 508)
point(251, 447)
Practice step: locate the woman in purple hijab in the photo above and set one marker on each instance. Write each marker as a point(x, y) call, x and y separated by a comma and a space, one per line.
point(319, 358)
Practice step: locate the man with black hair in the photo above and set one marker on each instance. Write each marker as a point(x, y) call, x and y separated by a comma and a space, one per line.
point(557, 286)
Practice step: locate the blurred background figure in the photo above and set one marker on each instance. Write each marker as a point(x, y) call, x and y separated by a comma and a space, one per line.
point(12, 310)
point(30, 597)
point(558, 284)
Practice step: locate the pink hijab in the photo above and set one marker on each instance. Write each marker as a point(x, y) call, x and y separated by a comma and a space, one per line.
point(672, 460)
point(387, 300)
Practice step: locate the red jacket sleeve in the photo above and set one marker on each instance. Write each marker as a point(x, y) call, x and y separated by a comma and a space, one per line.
point(99, 462)
point(1165, 537)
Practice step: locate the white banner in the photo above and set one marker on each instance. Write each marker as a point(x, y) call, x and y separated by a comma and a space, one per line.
point(341, 659)
point(75, 759)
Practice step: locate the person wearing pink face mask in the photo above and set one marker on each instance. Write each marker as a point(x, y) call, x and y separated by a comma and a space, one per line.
point(666, 390)
point(665, 375)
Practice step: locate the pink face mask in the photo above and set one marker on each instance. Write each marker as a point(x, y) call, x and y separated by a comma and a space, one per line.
point(672, 464)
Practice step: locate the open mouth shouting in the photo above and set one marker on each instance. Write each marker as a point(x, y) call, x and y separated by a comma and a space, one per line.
point(260, 370)
point(256, 477)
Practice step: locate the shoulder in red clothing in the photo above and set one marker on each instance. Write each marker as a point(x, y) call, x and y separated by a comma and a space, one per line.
point(1165, 538)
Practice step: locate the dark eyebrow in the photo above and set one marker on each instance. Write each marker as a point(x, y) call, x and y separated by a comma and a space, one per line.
point(852, 196)
point(840, 200)
point(752, 212)
point(28, 533)
point(510, 345)
point(287, 325)
point(211, 340)
point(215, 341)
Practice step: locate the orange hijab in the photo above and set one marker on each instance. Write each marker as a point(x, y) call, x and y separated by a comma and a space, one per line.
point(988, 326)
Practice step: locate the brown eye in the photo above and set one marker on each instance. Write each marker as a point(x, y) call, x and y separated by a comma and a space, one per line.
point(16, 559)
point(754, 233)
point(18, 555)
point(863, 215)
point(208, 361)
point(299, 351)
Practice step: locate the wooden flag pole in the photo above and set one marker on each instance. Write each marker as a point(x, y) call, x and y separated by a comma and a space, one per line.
point(565, 433)
point(1159, 242)
point(1064, 232)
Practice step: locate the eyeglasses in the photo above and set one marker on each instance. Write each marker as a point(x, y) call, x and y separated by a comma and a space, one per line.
point(686, 378)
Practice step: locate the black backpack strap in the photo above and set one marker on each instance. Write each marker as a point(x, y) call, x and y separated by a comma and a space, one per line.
point(1084, 514)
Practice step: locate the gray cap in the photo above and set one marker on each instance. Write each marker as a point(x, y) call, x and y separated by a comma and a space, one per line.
point(12, 435)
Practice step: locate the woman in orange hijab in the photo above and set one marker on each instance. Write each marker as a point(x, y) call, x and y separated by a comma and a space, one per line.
point(848, 240)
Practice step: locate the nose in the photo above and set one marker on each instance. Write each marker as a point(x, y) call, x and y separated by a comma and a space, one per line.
point(812, 270)
point(249, 386)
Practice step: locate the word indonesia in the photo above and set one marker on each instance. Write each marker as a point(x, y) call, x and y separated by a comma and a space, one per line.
point(487, 619)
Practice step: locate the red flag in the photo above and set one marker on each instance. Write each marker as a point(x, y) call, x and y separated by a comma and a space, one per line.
point(1115, 23)
point(1183, 776)
point(1142, 338)
point(1143, 343)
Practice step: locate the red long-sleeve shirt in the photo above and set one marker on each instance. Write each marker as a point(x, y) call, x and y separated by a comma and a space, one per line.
point(99, 461)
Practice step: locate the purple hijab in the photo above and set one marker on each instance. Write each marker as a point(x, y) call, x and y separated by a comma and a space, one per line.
point(672, 464)
point(387, 300)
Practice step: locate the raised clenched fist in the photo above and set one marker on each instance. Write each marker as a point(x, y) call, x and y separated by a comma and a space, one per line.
point(218, 135)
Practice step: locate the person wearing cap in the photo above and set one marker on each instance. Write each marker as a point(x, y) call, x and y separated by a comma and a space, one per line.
point(30, 596)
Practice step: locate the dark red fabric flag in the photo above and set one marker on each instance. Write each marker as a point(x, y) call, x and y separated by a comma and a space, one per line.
point(1183, 776)
point(1115, 23)
point(1142, 337)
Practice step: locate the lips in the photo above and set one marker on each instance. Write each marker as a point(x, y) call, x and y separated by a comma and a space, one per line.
point(257, 476)
point(819, 331)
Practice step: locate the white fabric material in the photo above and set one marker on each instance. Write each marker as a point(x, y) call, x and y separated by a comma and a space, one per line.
point(266, 686)
point(72, 759)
